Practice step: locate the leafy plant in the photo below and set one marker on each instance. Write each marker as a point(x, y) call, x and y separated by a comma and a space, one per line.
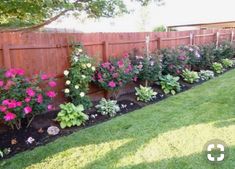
point(227, 63)
point(114, 74)
point(207, 55)
point(108, 107)
point(79, 76)
point(23, 98)
point(206, 74)
point(217, 67)
point(145, 94)
point(224, 50)
point(71, 115)
point(190, 76)
point(149, 68)
point(170, 84)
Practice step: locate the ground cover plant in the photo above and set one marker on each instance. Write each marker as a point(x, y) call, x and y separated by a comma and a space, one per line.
point(108, 107)
point(145, 94)
point(199, 115)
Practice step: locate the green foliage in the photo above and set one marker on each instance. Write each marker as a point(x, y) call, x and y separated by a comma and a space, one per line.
point(159, 29)
point(108, 107)
point(18, 13)
point(207, 55)
point(79, 76)
point(206, 74)
point(227, 63)
point(71, 115)
point(1, 154)
point(149, 68)
point(217, 67)
point(190, 76)
point(225, 50)
point(170, 84)
point(145, 94)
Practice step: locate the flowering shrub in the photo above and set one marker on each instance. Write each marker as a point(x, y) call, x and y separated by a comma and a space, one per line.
point(173, 61)
point(22, 97)
point(207, 55)
point(224, 50)
point(78, 77)
point(149, 68)
point(115, 74)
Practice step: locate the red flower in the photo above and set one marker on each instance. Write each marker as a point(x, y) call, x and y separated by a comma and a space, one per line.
point(51, 94)
point(27, 110)
point(9, 116)
point(112, 84)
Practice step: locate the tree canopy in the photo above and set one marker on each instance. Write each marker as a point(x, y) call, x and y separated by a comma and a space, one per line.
point(36, 13)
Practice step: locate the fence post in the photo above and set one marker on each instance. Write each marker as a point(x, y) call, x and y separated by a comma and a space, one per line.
point(159, 41)
point(217, 39)
point(232, 36)
point(6, 56)
point(191, 36)
point(105, 51)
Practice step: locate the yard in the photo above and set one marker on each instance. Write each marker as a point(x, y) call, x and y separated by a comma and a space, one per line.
point(168, 134)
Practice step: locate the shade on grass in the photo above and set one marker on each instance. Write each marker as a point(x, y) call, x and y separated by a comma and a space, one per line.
point(169, 134)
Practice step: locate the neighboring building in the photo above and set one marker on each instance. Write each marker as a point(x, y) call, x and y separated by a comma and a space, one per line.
point(203, 26)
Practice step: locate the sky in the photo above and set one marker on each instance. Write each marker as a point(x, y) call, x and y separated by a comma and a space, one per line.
point(174, 12)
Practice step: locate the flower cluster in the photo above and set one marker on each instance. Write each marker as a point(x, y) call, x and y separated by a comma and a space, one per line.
point(78, 77)
point(22, 97)
point(114, 74)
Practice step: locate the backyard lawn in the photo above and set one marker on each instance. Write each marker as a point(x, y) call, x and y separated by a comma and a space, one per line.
point(169, 134)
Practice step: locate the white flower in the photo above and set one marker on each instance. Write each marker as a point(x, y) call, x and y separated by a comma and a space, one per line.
point(80, 50)
point(88, 65)
point(76, 87)
point(75, 58)
point(82, 94)
point(83, 76)
point(66, 72)
point(66, 90)
point(83, 66)
point(68, 82)
point(93, 68)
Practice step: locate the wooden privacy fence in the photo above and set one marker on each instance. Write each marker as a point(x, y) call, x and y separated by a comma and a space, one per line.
point(49, 52)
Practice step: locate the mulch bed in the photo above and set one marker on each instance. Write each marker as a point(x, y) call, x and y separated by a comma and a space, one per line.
point(38, 129)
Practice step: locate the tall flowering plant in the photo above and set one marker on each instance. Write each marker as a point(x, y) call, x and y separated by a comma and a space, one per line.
point(116, 73)
point(23, 98)
point(79, 76)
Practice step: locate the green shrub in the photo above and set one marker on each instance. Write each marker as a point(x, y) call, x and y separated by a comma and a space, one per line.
point(78, 77)
point(145, 94)
point(170, 84)
point(227, 63)
point(206, 74)
point(207, 55)
point(190, 76)
point(217, 67)
point(224, 51)
point(108, 107)
point(71, 115)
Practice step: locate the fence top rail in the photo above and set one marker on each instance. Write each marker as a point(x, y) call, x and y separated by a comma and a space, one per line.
point(175, 38)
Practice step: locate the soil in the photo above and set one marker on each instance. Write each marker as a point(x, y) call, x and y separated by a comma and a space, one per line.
point(16, 140)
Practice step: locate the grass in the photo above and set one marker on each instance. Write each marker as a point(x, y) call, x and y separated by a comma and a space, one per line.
point(169, 134)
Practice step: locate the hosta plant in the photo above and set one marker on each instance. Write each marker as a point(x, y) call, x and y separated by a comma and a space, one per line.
point(145, 94)
point(227, 63)
point(217, 67)
point(108, 107)
point(78, 77)
point(190, 76)
point(71, 115)
point(206, 74)
point(170, 84)
point(22, 98)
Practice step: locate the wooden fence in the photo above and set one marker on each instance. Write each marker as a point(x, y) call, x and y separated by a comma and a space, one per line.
point(49, 52)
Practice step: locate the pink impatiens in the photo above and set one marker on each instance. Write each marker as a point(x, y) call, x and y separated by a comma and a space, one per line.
point(51, 94)
point(30, 92)
point(112, 84)
point(52, 83)
point(9, 116)
point(27, 110)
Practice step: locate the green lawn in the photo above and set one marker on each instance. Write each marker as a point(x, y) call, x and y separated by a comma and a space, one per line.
point(169, 134)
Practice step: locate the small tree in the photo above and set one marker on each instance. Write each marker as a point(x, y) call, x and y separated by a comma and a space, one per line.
point(159, 29)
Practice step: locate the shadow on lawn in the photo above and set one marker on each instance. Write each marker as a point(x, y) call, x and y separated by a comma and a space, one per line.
point(141, 126)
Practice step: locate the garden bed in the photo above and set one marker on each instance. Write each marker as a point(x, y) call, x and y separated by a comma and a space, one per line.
point(16, 140)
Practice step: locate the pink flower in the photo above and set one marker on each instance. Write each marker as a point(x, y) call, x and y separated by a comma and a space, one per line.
point(1, 83)
point(27, 110)
point(18, 104)
point(20, 72)
point(140, 66)
point(125, 55)
point(40, 99)
point(8, 84)
point(44, 77)
point(106, 64)
point(9, 73)
point(112, 84)
point(135, 79)
point(12, 104)
point(52, 83)
point(120, 64)
point(27, 99)
point(51, 94)
point(99, 75)
point(115, 75)
point(5, 102)
point(49, 107)
point(112, 68)
point(127, 71)
point(3, 108)
point(9, 116)
point(30, 92)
